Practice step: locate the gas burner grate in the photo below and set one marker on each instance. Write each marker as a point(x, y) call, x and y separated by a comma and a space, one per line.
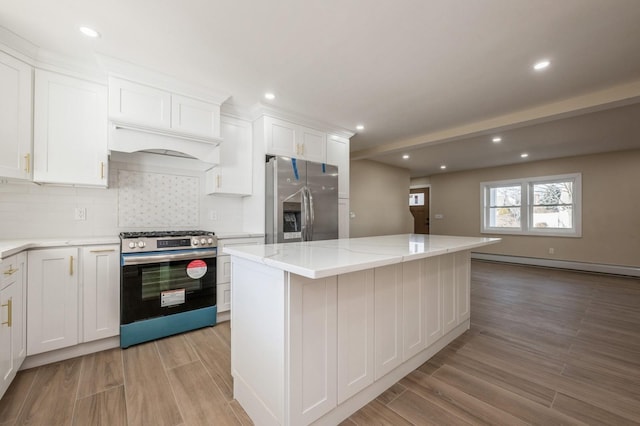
point(157, 234)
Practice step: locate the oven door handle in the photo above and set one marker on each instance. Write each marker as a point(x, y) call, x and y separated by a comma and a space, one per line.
point(157, 258)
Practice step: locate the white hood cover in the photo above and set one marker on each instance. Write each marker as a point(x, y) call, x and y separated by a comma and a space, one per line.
point(125, 138)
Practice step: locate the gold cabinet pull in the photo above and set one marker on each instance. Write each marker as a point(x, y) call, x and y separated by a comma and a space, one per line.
point(10, 271)
point(9, 313)
point(102, 170)
point(102, 251)
point(70, 265)
point(218, 181)
point(27, 160)
point(301, 149)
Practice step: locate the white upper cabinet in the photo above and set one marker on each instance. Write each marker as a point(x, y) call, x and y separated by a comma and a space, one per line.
point(136, 103)
point(15, 118)
point(234, 175)
point(338, 155)
point(196, 117)
point(292, 140)
point(150, 108)
point(70, 130)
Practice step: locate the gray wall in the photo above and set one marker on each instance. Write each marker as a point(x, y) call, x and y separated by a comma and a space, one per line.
point(379, 197)
point(610, 208)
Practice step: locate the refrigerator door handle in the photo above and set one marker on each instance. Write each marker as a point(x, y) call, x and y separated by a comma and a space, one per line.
point(311, 213)
point(305, 215)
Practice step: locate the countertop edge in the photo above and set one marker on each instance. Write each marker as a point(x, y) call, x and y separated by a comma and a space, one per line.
point(359, 266)
point(9, 248)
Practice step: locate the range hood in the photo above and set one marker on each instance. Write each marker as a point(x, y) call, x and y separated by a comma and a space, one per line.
point(129, 138)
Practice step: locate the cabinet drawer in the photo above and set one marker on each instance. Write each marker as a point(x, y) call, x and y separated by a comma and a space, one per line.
point(10, 269)
point(224, 270)
point(228, 242)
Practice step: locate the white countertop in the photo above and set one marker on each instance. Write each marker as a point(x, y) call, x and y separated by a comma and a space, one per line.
point(230, 235)
point(11, 247)
point(319, 259)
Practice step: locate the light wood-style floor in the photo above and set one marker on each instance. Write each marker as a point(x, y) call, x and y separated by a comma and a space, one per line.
point(545, 347)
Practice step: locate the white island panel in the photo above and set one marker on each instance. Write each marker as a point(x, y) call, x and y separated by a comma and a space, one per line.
point(313, 348)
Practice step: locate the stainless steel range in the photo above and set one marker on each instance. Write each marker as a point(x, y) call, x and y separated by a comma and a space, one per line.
point(168, 283)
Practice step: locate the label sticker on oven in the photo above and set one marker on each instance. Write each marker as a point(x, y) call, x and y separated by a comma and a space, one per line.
point(172, 297)
point(196, 269)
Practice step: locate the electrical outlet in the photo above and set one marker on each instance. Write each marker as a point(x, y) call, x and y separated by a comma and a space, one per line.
point(552, 250)
point(80, 213)
point(213, 215)
point(439, 216)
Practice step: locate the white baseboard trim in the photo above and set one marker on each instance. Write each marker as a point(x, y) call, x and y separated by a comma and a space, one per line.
point(70, 352)
point(561, 264)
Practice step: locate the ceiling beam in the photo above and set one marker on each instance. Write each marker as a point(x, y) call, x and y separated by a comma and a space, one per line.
point(615, 96)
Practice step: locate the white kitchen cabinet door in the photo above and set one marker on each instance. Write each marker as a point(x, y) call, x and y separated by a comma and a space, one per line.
point(433, 297)
point(312, 145)
point(15, 118)
point(414, 309)
point(343, 218)
point(449, 301)
point(281, 137)
point(52, 311)
point(312, 361)
point(463, 285)
point(234, 175)
point(195, 117)
point(70, 130)
point(388, 319)
point(292, 140)
point(223, 297)
point(136, 103)
point(101, 292)
point(355, 333)
point(338, 155)
point(12, 318)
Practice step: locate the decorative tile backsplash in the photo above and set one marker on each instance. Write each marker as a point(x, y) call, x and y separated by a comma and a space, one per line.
point(155, 200)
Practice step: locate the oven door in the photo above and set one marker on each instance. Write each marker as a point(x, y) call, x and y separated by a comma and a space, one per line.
point(158, 284)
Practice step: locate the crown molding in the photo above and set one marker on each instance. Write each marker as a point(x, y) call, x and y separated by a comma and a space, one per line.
point(260, 109)
point(136, 73)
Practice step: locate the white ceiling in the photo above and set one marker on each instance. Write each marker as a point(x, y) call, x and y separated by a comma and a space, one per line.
point(434, 78)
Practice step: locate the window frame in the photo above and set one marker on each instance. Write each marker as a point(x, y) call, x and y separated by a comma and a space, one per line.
point(527, 205)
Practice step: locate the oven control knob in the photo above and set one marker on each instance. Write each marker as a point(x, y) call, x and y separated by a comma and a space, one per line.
point(203, 241)
point(210, 241)
point(141, 244)
point(132, 245)
point(195, 241)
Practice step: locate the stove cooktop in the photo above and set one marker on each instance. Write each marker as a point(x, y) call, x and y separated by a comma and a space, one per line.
point(160, 234)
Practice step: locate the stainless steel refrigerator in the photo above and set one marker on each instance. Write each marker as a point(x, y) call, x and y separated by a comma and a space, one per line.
point(301, 201)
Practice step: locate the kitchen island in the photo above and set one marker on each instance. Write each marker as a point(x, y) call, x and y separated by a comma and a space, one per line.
point(320, 328)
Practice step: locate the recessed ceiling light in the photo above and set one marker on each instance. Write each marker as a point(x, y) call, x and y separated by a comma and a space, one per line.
point(541, 65)
point(405, 157)
point(496, 139)
point(443, 167)
point(359, 127)
point(524, 155)
point(89, 32)
point(270, 96)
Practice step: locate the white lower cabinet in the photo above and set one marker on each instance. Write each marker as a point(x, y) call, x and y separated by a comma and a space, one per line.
point(52, 311)
point(388, 318)
point(355, 333)
point(332, 340)
point(414, 309)
point(12, 318)
point(313, 362)
point(101, 292)
point(64, 309)
point(223, 266)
